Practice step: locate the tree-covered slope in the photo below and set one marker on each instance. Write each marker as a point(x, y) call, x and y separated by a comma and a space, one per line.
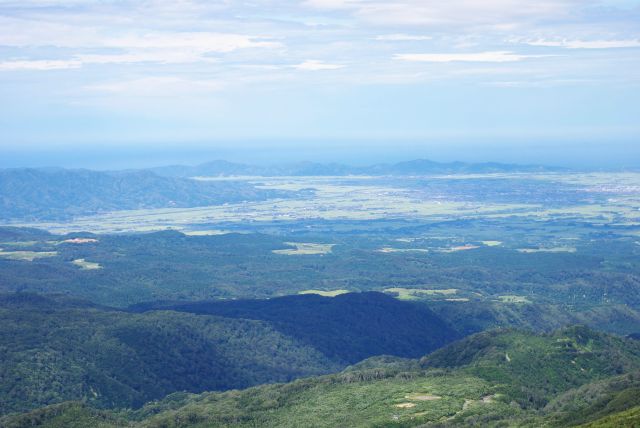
point(399, 393)
point(596, 400)
point(57, 348)
point(539, 366)
point(54, 350)
point(55, 193)
point(347, 328)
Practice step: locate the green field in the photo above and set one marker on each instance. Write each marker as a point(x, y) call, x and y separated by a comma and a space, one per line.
point(331, 293)
point(28, 256)
point(613, 199)
point(305, 248)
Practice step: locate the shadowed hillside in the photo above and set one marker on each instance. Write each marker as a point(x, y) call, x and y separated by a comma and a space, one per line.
point(346, 328)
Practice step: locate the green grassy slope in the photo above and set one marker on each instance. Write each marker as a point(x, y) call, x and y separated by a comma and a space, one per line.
point(536, 367)
point(627, 419)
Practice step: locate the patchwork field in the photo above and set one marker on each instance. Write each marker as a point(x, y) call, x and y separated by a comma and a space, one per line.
point(605, 199)
point(26, 255)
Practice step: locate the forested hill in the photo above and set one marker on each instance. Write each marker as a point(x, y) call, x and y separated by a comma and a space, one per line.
point(346, 328)
point(55, 193)
point(499, 378)
point(114, 358)
point(55, 348)
point(413, 167)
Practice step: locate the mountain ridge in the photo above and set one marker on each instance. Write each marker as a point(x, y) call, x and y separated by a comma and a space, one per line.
point(57, 193)
point(307, 168)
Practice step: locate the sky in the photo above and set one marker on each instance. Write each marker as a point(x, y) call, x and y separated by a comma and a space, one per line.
point(106, 82)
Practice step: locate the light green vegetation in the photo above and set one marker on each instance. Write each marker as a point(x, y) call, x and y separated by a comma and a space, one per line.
point(332, 293)
point(513, 299)
point(347, 403)
point(626, 419)
point(402, 250)
point(548, 250)
point(418, 293)
point(19, 244)
point(85, 265)
point(26, 255)
point(305, 248)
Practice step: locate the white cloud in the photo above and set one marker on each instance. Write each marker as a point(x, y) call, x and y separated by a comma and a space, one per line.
point(331, 4)
point(158, 47)
point(315, 65)
point(500, 14)
point(496, 56)
point(586, 44)
point(39, 65)
point(158, 56)
point(157, 86)
point(401, 37)
point(194, 41)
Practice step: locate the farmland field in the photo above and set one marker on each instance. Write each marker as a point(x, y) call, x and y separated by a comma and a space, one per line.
point(605, 200)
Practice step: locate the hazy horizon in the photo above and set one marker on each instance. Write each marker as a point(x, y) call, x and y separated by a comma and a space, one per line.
point(575, 156)
point(551, 82)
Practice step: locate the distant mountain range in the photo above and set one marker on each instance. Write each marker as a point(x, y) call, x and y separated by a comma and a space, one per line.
point(56, 193)
point(413, 167)
point(35, 194)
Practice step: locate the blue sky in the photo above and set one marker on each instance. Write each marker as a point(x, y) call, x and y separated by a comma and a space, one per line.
point(451, 79)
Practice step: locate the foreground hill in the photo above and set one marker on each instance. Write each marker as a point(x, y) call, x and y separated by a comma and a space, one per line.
point(55, 349)
point(56, 193)
point(473, 385)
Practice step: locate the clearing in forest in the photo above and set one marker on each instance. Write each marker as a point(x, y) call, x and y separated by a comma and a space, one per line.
point(547, 250)
point(458, 248)
point(513, 299)
point(28, 256)
point(402, 250)
point(332, 293)
point(418, 293)
point(305, 248)
point(85, 265)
